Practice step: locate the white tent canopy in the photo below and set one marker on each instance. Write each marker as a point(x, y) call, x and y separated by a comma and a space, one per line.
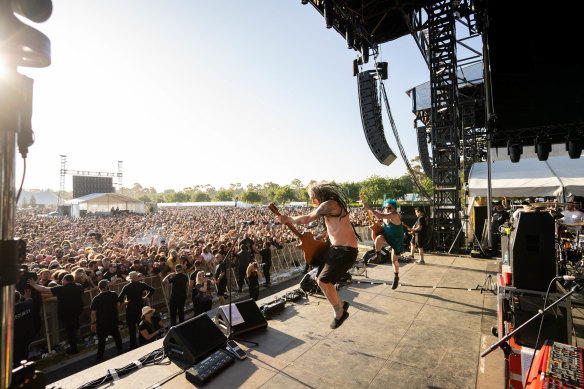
point(529, 177)
point(104, 202)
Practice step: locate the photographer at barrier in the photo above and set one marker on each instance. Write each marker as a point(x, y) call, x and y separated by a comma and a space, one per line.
point(253, 280)
point(202, 302)
point(151, 327)
point(220, 277)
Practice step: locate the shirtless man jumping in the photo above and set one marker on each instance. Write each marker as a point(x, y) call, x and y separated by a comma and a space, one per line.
point(342, 254)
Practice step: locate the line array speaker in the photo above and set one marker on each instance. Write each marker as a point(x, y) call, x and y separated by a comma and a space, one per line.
point(192, 340)
point(371, 118)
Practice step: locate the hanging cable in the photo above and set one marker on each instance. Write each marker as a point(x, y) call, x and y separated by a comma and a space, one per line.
point(397, 139)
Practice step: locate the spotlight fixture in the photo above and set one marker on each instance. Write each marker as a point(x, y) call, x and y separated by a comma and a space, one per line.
point(304, 1)
point(514, 149)
point(543, 147)
point(574, 144)
point(329, 16)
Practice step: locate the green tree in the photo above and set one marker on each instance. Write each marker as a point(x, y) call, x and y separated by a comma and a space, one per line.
point(144, 198)
point(200, 197)
point(179, 197)
point(374, 188)
point(223, 195)
point(33, 202)
point(352, 190)
point(283, 194)
point(24, 203)
point(428, 185)
point(251, 196)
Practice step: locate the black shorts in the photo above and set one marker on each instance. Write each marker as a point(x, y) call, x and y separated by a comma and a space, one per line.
point(221, 287)
point(336, 262)
point(420, 240)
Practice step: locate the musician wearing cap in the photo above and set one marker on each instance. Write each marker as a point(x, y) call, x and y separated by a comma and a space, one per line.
point(340, 257)
point(392, 234)
point(134, 291)
point(151, 326)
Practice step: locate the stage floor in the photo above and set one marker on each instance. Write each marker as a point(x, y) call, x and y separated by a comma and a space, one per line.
point(428, 333)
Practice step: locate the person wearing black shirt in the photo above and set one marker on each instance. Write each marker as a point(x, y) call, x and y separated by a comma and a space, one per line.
point(151, 326)
point(500, 216)
point(253, 280)
point(266, 254)
point(37, 300)
point(23, 328)
point(178, 296)
point(193, 280)
point(419, 239)
point(243, 259)
point(220, 277)
point(105, 309)
point(113, 273)
point(134, 291)
point(69, 307)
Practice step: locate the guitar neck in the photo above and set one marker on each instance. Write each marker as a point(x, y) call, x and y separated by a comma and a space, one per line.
point(273, 208)
point(370, 216)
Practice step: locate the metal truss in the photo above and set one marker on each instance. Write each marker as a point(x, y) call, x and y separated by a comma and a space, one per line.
point(445, 126)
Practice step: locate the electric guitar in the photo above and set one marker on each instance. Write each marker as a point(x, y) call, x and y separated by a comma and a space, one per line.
point(313, 249)
point(375, 227)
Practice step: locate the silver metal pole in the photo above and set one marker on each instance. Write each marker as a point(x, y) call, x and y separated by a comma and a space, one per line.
point(7, 205)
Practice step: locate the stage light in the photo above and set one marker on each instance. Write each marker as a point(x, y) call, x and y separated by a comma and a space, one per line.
point(304, 1)
point(349, 37)
point(329, 16)
point(514, 149)
point(22, 45)
point(574, 145)
point(355, 68)
point(543, 147)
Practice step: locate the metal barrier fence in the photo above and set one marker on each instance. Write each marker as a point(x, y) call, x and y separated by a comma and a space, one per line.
point(284, 260)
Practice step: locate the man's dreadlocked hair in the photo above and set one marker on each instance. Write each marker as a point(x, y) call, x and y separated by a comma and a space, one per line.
point(324, 192)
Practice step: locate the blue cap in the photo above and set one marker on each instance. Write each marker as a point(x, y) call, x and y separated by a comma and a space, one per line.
point(391, 202)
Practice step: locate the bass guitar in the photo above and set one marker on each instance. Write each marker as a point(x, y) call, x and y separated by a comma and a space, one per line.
point(375, 227)
point(313, 249)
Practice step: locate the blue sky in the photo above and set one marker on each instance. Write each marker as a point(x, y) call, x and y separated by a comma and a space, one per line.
point(198, 92)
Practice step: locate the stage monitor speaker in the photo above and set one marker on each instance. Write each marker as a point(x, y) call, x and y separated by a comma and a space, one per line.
point(192, 340)
point(371, 118)
point(253, 319)
point(533, 252)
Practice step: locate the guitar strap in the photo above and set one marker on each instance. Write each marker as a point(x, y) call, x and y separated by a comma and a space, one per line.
point(355, 231)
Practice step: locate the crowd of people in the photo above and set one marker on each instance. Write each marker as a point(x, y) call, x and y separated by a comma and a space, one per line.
point(184, 247)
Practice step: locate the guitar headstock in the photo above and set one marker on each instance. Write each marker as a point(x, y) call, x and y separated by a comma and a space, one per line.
point(273, 208)
point(362, 197)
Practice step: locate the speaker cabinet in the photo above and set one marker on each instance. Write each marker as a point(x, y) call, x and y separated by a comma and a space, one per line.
point(556, 322)
point(192, 340)
point(250, 313)
point(371, 118)
point(533, 251)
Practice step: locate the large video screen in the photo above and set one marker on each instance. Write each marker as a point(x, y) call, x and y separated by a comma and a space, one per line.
point(84, 185)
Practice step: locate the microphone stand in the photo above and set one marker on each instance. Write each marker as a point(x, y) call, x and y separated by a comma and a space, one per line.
point(502, 342)
point(228, 257)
